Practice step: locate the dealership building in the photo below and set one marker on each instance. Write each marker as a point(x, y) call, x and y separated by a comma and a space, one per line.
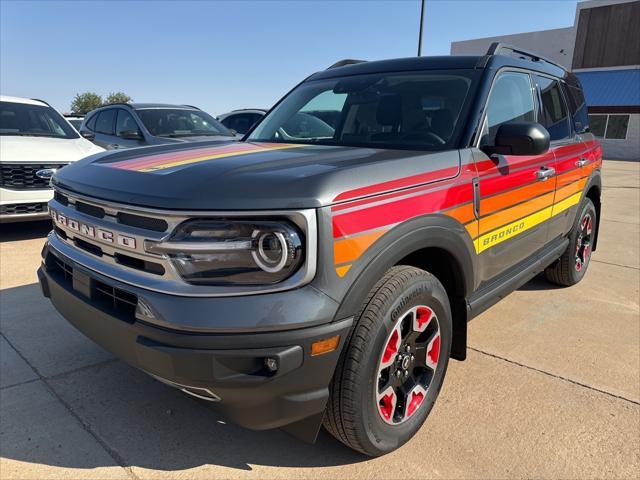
point(603, 49)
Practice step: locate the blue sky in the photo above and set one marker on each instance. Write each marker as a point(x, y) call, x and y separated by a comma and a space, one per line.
point(222, 55)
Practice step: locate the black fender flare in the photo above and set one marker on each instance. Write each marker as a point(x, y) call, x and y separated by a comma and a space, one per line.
point(595, 180)
point(437, 231)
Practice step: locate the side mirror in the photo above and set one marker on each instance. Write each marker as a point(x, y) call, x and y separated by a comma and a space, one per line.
point(233, 132)
point(88, 135)
point(520, 138)
point(130, 135)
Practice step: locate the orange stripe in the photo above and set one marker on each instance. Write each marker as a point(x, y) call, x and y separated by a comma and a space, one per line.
point(350, 249)
point(511, 214)
point(463, 213)
point(569, 190)
point(512, 197)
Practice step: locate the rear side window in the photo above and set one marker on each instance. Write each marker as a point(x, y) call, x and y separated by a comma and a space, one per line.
point(104, 123)
point(577, 108)
point(511, 100)
point(554, 116)
point(91, 123)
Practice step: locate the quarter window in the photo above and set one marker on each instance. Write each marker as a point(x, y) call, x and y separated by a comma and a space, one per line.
point(554, 116)
point(511, 100)
point(104, 123)
point(125, 122)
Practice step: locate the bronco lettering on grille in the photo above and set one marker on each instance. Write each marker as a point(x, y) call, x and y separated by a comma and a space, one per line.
point(87, 230)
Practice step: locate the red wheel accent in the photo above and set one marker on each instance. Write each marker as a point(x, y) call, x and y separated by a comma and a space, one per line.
point(423, 317)
point(433, 351)
point(415, 400)
point(387, 404)
point(391, 349)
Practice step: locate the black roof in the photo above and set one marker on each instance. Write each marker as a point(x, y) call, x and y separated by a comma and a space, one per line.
point(498, 55)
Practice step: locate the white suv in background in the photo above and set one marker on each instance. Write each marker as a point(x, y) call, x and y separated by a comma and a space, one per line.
point(35, 140)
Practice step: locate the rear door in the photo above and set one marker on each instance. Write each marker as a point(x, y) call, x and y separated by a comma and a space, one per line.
point(569, 150)
point(514, 201)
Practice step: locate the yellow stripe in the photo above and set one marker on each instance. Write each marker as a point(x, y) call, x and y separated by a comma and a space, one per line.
point(501, 234)
point(213, 157)
point(342, 271)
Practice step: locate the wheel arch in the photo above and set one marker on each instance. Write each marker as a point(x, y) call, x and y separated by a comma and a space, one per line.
point(436, 243)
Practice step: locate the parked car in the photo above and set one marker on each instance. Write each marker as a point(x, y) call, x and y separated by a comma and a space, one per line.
point(240, 121)
point(35, 141)
point(126, 125)
point(75, 119)
point(315, 275)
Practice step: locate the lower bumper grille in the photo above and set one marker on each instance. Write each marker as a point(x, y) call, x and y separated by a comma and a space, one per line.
point(107, 298)
point(23, 208)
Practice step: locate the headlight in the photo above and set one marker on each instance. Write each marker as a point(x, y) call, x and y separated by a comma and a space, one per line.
point(233, 251)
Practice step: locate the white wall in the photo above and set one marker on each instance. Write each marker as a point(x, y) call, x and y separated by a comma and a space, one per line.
point(557, 44)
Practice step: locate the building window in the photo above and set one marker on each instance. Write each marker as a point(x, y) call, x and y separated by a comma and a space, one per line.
point(612, 127)
point(598, 125)
point(617, 127)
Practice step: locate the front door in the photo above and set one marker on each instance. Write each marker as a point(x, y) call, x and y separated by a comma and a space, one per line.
point(516, 191)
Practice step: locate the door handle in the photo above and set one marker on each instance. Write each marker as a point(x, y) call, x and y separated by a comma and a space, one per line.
point(582, 162)
point(545, 173)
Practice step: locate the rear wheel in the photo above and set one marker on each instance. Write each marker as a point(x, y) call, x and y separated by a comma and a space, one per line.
point(572, 265)
point(393, 366)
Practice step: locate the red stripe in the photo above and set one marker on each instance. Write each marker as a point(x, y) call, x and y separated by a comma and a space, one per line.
point(395, 212)
point(182, 155)
point(397, 184)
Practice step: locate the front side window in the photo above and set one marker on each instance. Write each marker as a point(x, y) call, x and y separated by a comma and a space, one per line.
point(26, 120)
point(180, 122)
point(511, 100)
point(554, 116)
point(577, 108)
point(382, 110)
point(104, 123)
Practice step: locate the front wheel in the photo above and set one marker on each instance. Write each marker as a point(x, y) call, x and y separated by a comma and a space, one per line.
point(570, 268)
point(391, 371)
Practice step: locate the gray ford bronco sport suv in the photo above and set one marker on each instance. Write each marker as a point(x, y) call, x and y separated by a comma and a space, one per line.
point(322, 272)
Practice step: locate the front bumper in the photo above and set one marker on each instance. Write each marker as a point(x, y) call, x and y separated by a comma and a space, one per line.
point(229, 366)
point(24, 205)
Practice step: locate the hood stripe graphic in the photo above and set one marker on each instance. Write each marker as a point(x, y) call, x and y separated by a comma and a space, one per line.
point(169, 160)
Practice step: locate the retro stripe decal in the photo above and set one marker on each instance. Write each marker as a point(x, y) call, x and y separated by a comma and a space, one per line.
point(506, 208)
point(164, 161)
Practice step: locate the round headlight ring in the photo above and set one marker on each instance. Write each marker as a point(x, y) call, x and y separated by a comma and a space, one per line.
point(260, 256)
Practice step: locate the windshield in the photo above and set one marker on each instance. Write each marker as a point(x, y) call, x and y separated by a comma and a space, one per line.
point(176, 122)
point(387, 110)
point(22, 119)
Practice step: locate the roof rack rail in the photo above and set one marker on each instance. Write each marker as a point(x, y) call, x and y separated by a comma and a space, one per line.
point(346, 61)
point(499, 48)
point(38, 100)
point(190, 106)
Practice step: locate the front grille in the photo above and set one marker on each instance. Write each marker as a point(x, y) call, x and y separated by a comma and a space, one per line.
point(23, 208)
point(18, 176)
point(107, 298)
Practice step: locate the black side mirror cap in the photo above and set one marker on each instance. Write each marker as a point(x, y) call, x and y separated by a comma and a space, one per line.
point(130, 135)
point(520, 138)
point(88, 135)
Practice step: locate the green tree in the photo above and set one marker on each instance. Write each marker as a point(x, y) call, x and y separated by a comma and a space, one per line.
point(85, 102)
point(117, 97)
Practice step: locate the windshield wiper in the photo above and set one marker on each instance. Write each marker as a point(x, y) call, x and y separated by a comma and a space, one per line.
point(24, 134)
point(191, 134)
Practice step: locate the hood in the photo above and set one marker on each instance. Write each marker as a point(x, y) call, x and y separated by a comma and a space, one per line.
point(45, 149)
point(244, 176)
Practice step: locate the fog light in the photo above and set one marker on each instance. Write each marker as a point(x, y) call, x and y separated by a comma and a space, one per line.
point(325, 346)
point(272, 364)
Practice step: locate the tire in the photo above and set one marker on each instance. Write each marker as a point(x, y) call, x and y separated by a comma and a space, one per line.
point(571, 267)
point(411, 306)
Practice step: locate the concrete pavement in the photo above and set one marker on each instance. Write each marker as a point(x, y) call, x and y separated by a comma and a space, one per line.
point(551, 387)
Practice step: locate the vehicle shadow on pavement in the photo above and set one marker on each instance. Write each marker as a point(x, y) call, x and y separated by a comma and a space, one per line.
point(142, 422)
point(11, 232)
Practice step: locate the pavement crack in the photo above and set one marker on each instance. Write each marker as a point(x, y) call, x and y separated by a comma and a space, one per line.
point(85, 426)
point(615, 264)
point(553, 375)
